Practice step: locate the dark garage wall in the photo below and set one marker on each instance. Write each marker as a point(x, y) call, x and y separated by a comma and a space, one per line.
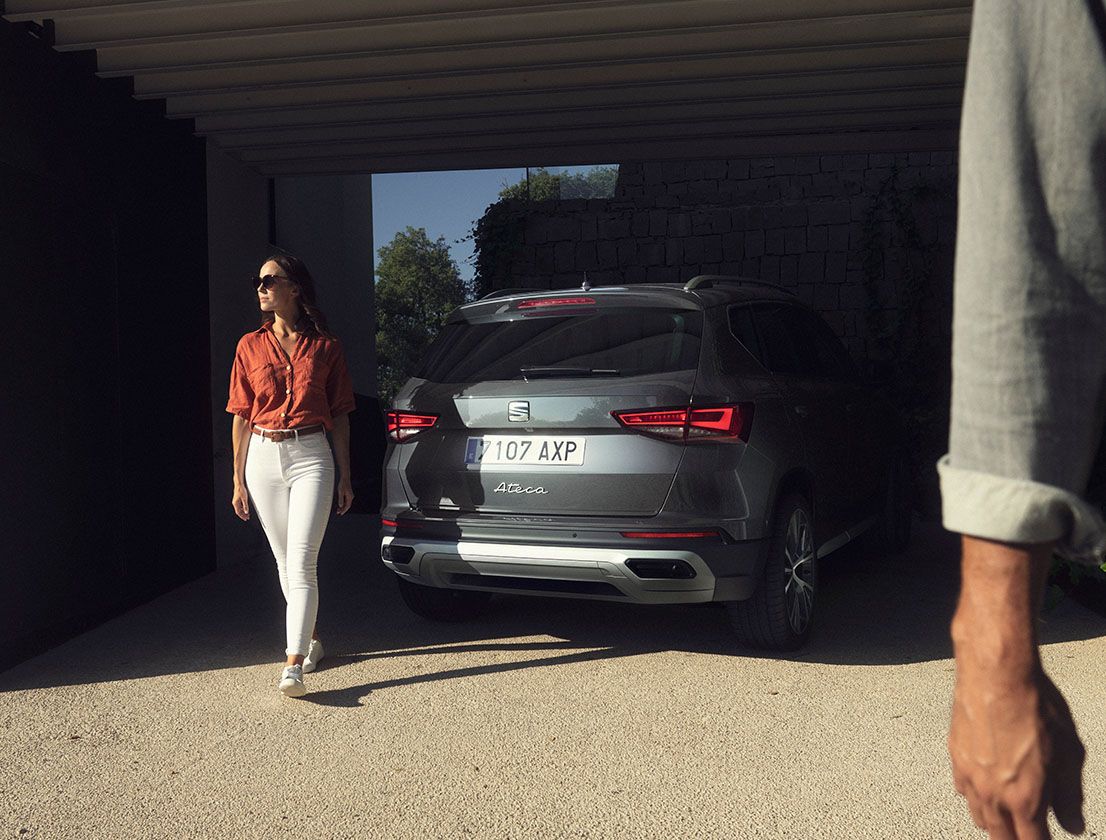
point(105, 394)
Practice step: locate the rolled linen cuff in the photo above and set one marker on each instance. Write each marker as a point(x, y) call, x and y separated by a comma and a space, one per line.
point(1017, 510)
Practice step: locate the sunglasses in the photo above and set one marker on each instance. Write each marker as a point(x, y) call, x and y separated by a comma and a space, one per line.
point(266, 282)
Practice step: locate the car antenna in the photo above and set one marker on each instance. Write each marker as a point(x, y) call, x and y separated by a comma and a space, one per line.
point(587, 286)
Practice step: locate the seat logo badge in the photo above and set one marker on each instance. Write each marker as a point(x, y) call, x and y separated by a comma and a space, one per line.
point(518, 411)
point(504, 487)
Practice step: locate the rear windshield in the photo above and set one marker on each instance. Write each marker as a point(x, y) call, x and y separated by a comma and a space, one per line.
point(622, 342)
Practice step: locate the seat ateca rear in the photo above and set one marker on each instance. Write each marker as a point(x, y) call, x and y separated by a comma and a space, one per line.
point(655, 444)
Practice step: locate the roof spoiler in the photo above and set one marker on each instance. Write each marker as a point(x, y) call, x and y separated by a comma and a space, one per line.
point(706, 281)
point(498, 293)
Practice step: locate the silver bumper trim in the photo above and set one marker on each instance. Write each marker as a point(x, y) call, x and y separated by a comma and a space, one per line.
point(437, 562)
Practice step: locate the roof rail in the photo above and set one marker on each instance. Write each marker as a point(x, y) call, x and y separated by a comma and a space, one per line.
point(701, 281)
point(509, 292)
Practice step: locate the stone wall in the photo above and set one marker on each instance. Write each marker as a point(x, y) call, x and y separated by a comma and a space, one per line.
point(866, 239)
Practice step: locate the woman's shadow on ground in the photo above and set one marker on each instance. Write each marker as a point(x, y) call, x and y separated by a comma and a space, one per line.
point(874, 609)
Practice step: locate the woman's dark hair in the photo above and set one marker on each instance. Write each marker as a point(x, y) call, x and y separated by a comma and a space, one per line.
point(312, 320)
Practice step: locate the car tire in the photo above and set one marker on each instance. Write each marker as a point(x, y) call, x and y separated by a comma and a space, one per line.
point(896, 519)
point(780, 613)
point(443, 604)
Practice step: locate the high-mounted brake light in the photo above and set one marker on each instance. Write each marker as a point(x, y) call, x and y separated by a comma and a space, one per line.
point(404, 425)
point(566, 301)
point(719, 423)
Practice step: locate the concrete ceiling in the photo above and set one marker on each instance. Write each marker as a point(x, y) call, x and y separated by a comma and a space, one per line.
point(332, 86)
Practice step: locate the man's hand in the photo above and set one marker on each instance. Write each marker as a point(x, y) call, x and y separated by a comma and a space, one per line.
point(1014, 749)
point(1015, 753)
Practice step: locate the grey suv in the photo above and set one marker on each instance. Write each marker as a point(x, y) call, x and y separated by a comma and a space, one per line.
point(656, 444)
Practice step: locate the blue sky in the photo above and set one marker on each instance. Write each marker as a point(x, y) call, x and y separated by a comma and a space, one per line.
point(445, 203)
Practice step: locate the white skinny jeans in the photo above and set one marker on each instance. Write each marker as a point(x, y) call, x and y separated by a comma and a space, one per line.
point(291, 486)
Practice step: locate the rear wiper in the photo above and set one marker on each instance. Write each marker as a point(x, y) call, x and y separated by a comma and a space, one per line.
point(538, 372)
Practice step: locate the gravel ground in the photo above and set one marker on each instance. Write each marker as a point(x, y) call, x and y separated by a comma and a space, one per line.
point(547, 718)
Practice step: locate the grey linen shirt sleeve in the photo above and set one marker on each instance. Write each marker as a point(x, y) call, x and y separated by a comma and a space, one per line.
point(1029, 310)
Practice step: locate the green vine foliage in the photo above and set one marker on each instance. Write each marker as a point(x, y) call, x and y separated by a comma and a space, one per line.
point(1084, 582)
point(909, 321)
point(912, 332)
point(497, 237)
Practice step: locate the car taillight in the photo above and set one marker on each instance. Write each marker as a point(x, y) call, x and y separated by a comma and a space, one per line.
point(695, 424)
point(670, 423)
point(401, 524)
point(403, 425)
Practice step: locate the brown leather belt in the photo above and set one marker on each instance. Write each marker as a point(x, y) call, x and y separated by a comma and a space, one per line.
point(286, 434)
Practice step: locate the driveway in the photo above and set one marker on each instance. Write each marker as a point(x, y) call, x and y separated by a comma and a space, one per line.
point(546, 718)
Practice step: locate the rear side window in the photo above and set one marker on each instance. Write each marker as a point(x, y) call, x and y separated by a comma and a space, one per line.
point(632, 341)
point(784, 344)
point(791, 341)
point(741, 325)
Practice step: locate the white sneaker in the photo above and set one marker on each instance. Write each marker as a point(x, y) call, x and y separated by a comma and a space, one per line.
point(291, 681)
point(314, 656)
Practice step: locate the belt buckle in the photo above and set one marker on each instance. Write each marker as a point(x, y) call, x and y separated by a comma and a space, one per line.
point(279, 437)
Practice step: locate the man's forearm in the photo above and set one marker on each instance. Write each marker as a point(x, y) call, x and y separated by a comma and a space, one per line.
point(994, 630)
point(1013, 744)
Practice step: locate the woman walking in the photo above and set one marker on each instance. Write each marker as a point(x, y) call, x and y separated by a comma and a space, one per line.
point(288, 387)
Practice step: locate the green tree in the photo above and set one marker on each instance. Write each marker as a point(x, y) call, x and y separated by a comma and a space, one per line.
point(417, 286)
point(543, 185)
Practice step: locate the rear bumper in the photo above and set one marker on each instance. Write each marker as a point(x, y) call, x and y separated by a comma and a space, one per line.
point(577, 571)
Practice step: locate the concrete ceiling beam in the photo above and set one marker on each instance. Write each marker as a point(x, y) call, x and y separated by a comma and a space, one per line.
point(88, 24)
point(683, 116)
point(920, 138)
point(614, 135)
point(182, 16)
point(376, 85)
point(658, 97)
point(357, 52)
point(553, 78)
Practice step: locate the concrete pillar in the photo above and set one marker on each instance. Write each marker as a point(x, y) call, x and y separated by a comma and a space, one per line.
point(238, 240)
point(327, 222)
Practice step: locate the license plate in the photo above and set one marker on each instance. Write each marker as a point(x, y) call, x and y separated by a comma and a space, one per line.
point(535, 450)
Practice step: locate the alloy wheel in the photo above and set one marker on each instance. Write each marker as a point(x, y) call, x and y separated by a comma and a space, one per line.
point(799, 571)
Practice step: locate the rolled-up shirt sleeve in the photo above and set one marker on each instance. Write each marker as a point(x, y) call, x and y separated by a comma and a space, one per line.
point(339, 385)
point(1029, 310)
point(241, 398)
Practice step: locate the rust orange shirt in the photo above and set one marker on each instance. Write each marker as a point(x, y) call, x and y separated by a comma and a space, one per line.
point(274, 391)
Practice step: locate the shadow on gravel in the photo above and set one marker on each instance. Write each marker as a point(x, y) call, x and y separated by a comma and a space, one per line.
point(353, 695)
point(873, 610)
